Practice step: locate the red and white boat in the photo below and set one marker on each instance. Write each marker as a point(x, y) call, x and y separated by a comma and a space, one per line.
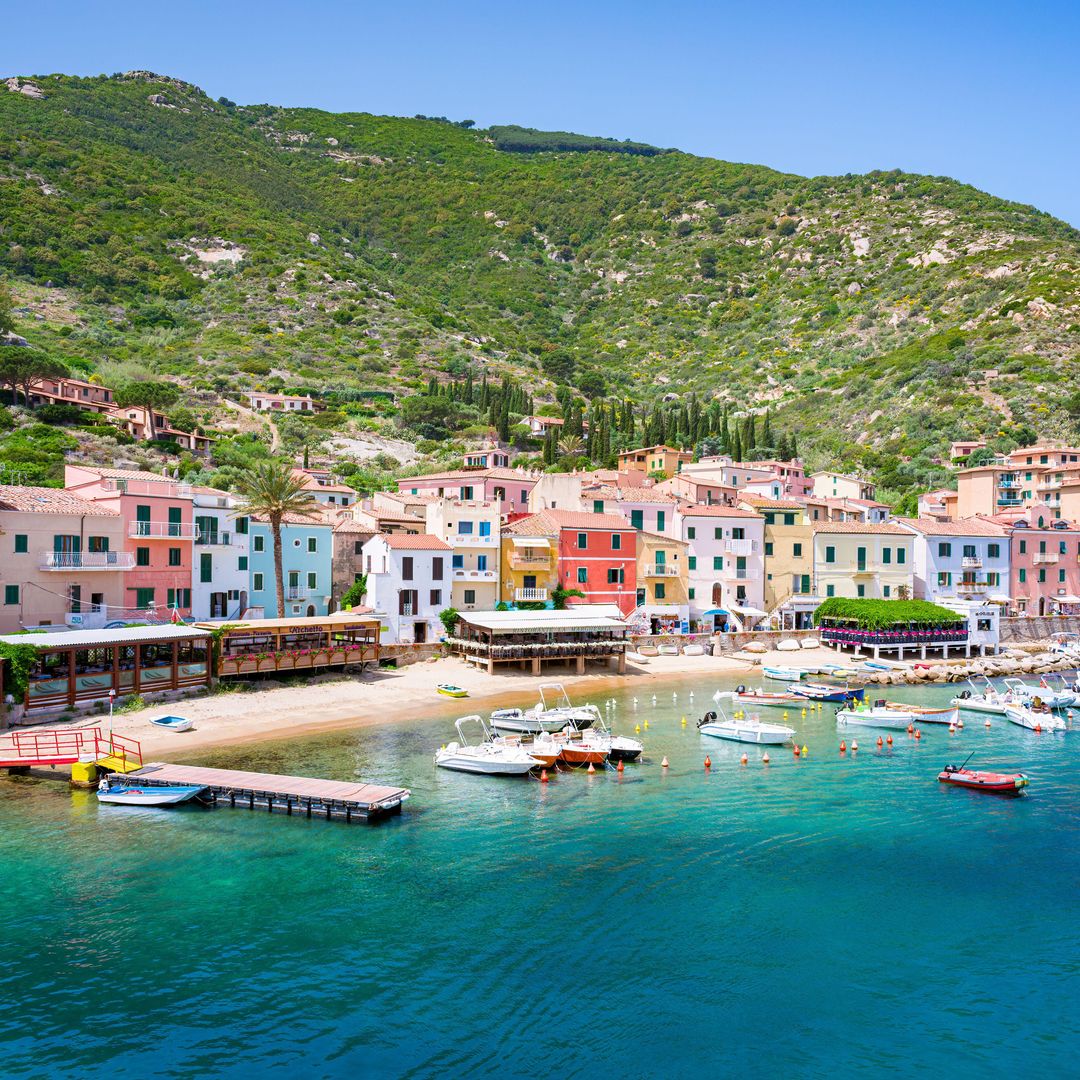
point(997, 783)
point(768, 699)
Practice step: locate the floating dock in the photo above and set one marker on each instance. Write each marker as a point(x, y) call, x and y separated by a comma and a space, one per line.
point(339, 800)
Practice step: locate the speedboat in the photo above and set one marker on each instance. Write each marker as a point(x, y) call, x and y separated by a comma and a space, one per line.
point(823, 692)
point(543, 747)
point(489, 758)
point(926, 714)
point(880, 715)
point(784, 674)
point(1043, 694)
point(450, 690)
point(123, 793)
point(750, 730)
point(173, 723)
point(996, 783)
point(988, 700)
point(1034, 719)
point(618, 747)
point(555, 705)
point(766, 698)
point(520, 722)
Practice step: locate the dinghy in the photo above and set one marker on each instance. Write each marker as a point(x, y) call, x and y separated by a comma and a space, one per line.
point(751, 730)
point(879, 716)
point(124, 793)
point(784, 674)
point(450, 690)
point(823, 692)
point(767, 699)
point(173, 723)
point(995, 783)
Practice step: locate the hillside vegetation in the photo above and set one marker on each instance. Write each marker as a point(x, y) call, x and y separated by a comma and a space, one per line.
point(147, 228)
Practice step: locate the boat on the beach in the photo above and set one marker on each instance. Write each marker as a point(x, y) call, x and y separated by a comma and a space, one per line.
point(693, 649)
point(749, 729)
point(1034, 719)
point(767, 699)
point(637, 658)
point(648, 650)
point(780, 673)
point(879, 715)
point(995, 783)
point(450, 690)
point(667, 650)
point(121, 793)
point(173, 723)
point(824, 692)
point(925, 713)
point(488, 758)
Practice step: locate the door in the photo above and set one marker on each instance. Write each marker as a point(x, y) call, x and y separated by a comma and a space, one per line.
point(175, 520)
point(420, 632)
point(142, 520)
point(528, 581)
point(860, 559)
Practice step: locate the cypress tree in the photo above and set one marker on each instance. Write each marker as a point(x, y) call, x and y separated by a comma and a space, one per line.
point(766, 431)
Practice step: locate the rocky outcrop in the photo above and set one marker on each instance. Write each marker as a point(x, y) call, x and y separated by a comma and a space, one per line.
point(1010, 663)
point(21, 86)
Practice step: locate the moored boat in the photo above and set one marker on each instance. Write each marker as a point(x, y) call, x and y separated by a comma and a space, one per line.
point(173, 723)
point(781, 673)
point(767, 699)
point(878, 715)
point(1043, 694)
point(749, 729)
point(487, 758)
point(520, 722)
point(824, 692)
point(1034, 719)
point(926, 714)
point(122, 793)
point(995, 783)
point(988, 700)
point(450, 690)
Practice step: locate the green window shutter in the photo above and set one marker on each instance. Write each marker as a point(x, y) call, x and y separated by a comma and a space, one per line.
point(312, 544)
point(142, 558)
point(636, 519)
point(242, 525)
point(901, 555)
point(142, 513)
point(660, 592)
point(175, 556)
point(313, 581)
point(258, 543)
point(718, 562)
point(582, 575)
point(796, 551)
point(170, 598)
point(862, 590)
point(789, 519)
point(692, 562)
point(20, 544)
point(206, 567)
point(806, 584)
point(691, 594)
point(242, 562)
point(886, 555)
point(144, 597)
point(691, 532)
point(718, 534)
point(1023, 574)
point(830, 590)
point(768, 547)
point(598, 506)
point(830, 554)
point(886, 591)
point(11, 594)
point(660, 519)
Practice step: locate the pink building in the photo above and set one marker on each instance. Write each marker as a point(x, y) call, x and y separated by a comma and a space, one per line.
point(510, 487)
point(1045, 562)
point(158, 530)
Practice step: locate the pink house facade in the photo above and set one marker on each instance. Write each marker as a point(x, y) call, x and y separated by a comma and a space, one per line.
point(510, 487)
point(158, 530)
point(1045, 559)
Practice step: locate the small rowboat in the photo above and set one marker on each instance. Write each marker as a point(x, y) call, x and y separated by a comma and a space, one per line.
point(450, 690)
point(668, 650)
point(823, 692)
point(649, 650)
point(173, 723)
point(123, 794)
point(925, 713)
point(996, 783)
point(784, 674)
point(767, 699)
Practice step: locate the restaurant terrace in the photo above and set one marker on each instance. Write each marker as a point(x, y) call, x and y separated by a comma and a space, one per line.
point(532, 638)
point(891, 626)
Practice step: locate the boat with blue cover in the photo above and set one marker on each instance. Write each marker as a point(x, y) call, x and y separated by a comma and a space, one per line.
point(122, 793)
point(824, 692)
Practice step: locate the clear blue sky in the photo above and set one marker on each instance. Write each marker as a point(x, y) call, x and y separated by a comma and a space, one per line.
point(987, 92)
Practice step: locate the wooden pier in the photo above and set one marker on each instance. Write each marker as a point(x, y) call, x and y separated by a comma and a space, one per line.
point(339, 800)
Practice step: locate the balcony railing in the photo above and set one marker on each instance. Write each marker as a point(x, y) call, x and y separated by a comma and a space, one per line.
point(1045, 558)
point(531, 595)
point(740, 547)
point(1010, 502)
point(523, 562)
point(735, 574)
point(472, 540)
point(222, 539)
point(297, 592)
point(163, 487)
point(1009, 484)
point(971, 562)
point(661, 570)
point(86, 560)
point(461, 574)
point(173, 530)
point(971, 586)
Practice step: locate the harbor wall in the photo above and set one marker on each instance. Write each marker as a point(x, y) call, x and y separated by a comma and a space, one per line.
point(1037, 628)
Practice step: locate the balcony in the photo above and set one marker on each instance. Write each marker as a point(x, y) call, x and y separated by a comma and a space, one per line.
point(1049, 485)
point(968, 587)
point(527, 562)
point(1008, 484)
point(1045, 558)
point(297, 592)
point(661, 570)
point(461, 574)
point(222, 539)
point(862, 570)
point(971, 562)
point(740, 547)
point(1010, 502)
point(531, 596)
point(150, 530)
point(735, 574)
point(472, 540)
point(164, 488)
point(86, 560)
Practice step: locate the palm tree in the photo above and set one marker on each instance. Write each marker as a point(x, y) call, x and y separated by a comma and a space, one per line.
point(271, 491)
point(571, 446)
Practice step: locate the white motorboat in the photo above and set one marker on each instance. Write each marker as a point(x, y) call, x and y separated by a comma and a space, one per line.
point(1043, 694)
point(600, 737)
point(129, 793)
point(925, 713)
point(1034, 719)
point(780, 673)
point(989, 700)
point(750, 729)
point(488, 758)
point(522, 722)
point(878, 715)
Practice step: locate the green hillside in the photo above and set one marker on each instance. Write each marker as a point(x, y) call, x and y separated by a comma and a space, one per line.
point(147, 228)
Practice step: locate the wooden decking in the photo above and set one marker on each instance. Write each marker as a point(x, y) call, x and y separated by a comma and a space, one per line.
point(343, 800)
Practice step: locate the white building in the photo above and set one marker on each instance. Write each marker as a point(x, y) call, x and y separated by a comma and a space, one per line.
point(959, 560)
point(725, 565)
point(219, 568)
point(472, 531)
point(408, 578)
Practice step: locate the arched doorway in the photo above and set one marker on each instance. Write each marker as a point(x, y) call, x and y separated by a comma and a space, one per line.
point(310, 610)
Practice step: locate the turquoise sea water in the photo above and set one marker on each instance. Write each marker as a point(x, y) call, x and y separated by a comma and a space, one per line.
point(827, 916)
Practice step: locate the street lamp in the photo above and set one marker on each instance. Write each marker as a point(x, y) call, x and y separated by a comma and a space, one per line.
point(112, 698)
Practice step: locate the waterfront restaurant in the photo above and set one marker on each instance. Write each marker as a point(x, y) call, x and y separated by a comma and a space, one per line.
point(267, 646)
point(74, 667)
point(531, 638)
point(897, 626)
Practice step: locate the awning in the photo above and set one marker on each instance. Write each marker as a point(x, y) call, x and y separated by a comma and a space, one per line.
point(715, 611)
point(530, 541)
point(1068, 599)
point(1000, 598)
point(756, 612)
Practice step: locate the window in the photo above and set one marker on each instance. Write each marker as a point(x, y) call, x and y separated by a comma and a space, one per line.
point(598, 506)
point(481, 562)
point(637, 519)
point(770, 519)
point(20, 544)
point(1042, 575)
point(1023, 575)
point(969, 551)
point(407, 568)
point(830, 590)
point(886, 590)
point(886, 555)
point(1061, 548)
point(993, 578)
point(257, 582)
point(901, 556)
point(312, 544)
point(582, 575)
point(691, 594)
point(768, 547)
point(718, 562)
point(98, 544)
point(175, 522)
point(142, 556)
point(142, 520)
point(206, 567)
point(796, 551)
point(470, 596)
point(660, 591)
point(1023, 547)
point(718, 534)
point(691, 562)
point(616, 541)
point(805, 590)
point(312, 581)
point(1061, 577)
point(944, 550)
point(457, 562)
point(175, 555)
point(861, 589)
point(615, 576)
point(830, 554)
point(485, 528)
point(437, 568)
point(660, 520)
point(11, 594)
point(242, 525)
point(258, 543)
point(436, 597)
point(582, 540)
point(144, 598)
point(691, 532)
point(993, 551)
point(789, 519)
point(944, 580)
point(178, 598)
point(466, 494)
point(464, 528)
point(242, 562)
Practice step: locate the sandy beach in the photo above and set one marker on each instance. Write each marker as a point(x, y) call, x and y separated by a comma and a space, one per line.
point(391, 696)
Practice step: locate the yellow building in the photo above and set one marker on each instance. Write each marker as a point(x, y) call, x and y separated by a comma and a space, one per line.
point(663, 597)
point(853, 558)
point(789, 560)
point(654, 459)
point(529, 561)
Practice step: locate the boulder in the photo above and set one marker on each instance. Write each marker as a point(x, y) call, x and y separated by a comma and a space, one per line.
point(811, 643)
point(755, 647)
point(788, 645)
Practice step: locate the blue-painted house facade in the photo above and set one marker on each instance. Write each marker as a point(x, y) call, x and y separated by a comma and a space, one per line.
point(306, 561)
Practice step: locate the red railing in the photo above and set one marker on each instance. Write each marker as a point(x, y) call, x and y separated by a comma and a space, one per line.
point(64, 746)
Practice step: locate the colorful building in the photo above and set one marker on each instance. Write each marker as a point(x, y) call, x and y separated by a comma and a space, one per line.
point(959, 560)
point(63, 559)
point(662, 599)
point(323, 488)
point(159, 532)
point(472, 531)
point(408, 583)
point(788, 543)
point(307, 567)
point(654, 459)
point(835, 485)
point(645, 508)
point(509, 487)
point(860, 559)
point(1044, 556)
point(221, 575)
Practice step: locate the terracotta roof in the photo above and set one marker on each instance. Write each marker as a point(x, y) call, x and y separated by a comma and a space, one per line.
point(701, 510)
point(966, 527)
point(859, 527)
point(550, 522)
point(661, 539)
point(43, 500)
point(347, 525)
point(771, 504)
point(414, 542)
point(470, 474)
point(127, 474)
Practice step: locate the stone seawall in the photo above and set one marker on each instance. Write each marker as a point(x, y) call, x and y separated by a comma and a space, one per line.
point(1038, 628)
